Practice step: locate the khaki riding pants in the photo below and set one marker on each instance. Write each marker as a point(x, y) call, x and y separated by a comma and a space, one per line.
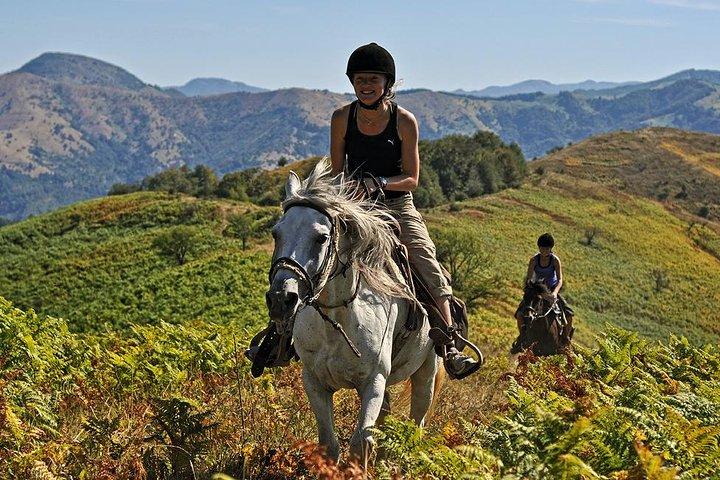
point(421, 249)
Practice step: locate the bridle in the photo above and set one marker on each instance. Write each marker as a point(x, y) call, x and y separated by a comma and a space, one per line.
point(549, 311)
point(327, 271)
point(533, 312)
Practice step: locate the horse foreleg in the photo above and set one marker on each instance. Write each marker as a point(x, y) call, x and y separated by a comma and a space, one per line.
point(371, 403)
point(321, 401)
point(423, 386)
point(385, 410)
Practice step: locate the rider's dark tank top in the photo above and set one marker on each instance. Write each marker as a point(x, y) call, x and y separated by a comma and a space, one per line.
point(548, 274)
point(379, 155)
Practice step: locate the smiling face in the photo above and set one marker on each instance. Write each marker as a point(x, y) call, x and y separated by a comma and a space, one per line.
point(369, 86)
point(545, 252)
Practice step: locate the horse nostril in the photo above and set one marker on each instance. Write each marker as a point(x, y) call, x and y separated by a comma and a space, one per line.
point(291, 299)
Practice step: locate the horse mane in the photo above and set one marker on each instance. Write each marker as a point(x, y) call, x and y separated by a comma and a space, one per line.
point(369, 228)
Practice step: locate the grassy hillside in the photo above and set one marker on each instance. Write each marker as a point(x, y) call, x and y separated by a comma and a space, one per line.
point(94, 263)
point(628, 261)
point(143, 376)
point(615, 249)
point(676, 167)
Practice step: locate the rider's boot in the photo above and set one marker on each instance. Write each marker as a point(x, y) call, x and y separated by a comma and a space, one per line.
point(271, 352)
point(568, 331)
point(457, 364)
point(516, 345)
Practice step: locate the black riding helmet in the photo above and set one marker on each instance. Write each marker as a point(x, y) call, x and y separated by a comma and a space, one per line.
point(372, 58)
point(546, 240)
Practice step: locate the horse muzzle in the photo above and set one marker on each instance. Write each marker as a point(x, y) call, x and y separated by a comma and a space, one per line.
point(283, 303)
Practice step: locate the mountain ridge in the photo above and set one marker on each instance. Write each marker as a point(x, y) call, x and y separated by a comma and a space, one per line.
point(83, 70)
point(60, 129)
point(206, 86)
point(537, 85)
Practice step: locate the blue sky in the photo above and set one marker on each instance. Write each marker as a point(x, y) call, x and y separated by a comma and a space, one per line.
point(441, 45)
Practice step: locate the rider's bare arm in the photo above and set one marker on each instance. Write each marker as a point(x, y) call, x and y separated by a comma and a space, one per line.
point(558, 269)
point(531, 270)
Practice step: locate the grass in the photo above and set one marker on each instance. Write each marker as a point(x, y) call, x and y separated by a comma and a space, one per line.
point(613, 278)
point(94, 264)
point(143, 339)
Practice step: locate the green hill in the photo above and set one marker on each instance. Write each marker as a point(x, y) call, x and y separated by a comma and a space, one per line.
point(94, 263)
point(628, 261)
point(139, 367)
point(681, 169)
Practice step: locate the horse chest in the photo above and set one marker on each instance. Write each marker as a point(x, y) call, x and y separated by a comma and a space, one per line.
point(324, 351)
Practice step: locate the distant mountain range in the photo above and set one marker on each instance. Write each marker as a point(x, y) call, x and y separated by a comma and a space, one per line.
point(200, 87)
point(543, 86)
point(72, 126)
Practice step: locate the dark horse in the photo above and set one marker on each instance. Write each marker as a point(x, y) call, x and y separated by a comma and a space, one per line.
point(542, 323)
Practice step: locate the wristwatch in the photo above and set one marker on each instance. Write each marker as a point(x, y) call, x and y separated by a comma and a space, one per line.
point(383, 182)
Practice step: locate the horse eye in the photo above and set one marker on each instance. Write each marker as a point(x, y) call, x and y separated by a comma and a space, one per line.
point(321, 239)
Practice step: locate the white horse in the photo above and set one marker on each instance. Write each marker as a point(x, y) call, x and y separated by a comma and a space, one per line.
point(335, 287)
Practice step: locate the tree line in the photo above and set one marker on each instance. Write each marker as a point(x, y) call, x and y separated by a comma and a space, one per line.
point(453, 168)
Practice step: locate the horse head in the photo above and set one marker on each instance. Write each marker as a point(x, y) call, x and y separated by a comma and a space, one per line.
point(535, 292)
point(534, 298)
point(305, 238)
point(540, 316)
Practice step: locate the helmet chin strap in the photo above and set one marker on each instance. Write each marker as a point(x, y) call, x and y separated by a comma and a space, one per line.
point(374, 106)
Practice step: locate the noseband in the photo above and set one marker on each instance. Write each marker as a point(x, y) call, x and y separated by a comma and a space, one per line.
point(534, 312)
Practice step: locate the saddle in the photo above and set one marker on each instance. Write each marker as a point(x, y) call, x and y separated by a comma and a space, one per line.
point(440, 333)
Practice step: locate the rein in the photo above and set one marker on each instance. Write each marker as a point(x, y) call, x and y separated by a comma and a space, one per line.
point(326, 272)
point(552, 307)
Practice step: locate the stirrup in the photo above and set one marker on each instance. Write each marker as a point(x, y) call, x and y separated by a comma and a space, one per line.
point(469, 366)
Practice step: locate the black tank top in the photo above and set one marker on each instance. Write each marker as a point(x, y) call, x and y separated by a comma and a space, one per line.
point(379, 155)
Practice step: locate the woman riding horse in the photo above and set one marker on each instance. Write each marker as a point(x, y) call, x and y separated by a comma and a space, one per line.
point(335, 288)
point(541, 322)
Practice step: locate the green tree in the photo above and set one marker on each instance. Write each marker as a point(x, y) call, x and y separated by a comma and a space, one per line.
point(173, 180)
point(124, 188)
point(242, 227)
point(234, 186)
point(177, 242)
point(205, 181)
point(462, 253)
point(428, 194)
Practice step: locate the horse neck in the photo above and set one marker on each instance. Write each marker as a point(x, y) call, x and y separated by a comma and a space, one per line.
point(341, 285)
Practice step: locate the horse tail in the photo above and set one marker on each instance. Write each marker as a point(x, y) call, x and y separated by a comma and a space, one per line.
point(437, 385)
point(403, 398)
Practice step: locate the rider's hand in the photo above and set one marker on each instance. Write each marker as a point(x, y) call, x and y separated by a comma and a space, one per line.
point(370, 186)
point(356, 188)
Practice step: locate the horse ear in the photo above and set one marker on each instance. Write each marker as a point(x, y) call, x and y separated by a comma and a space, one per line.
point(292, 185)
